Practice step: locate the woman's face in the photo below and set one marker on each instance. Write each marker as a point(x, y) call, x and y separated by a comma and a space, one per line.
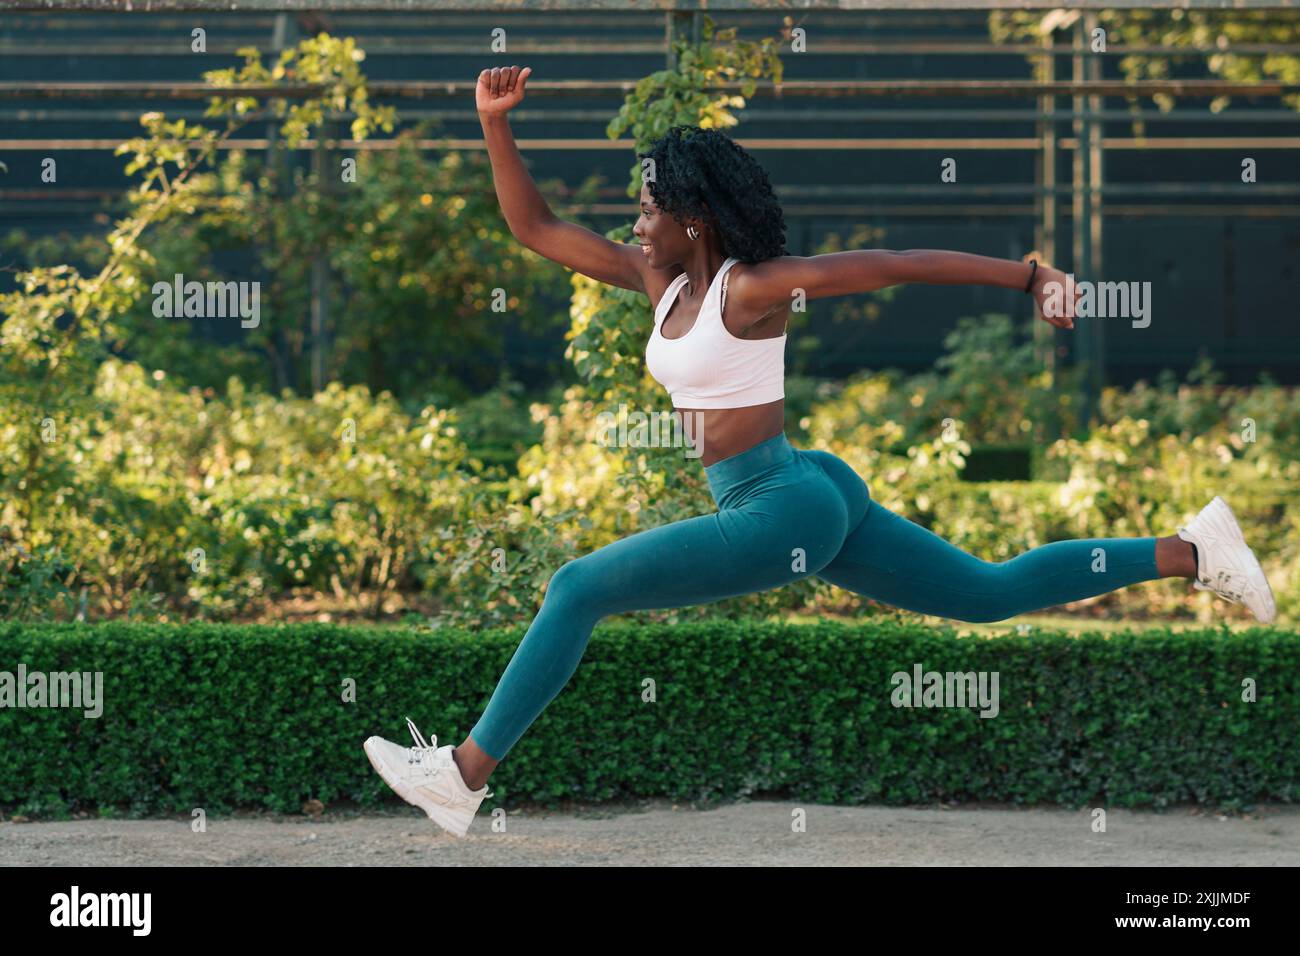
point(663, 240)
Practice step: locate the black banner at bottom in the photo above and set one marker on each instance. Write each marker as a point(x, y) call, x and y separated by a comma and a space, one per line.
point(384, 904)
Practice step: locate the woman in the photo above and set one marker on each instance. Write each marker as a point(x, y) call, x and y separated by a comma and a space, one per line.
point(711, 257)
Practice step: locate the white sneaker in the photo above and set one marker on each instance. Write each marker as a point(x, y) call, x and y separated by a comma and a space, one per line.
point(1227, 566)
point(426, 776)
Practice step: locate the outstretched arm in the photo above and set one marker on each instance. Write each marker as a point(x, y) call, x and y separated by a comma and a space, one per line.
point(774, 281)
point(529, 218)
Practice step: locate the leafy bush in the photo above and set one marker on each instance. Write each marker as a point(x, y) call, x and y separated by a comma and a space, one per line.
point(497, 426)
point(216, 502)
point(31, 583)
point(1127, 719)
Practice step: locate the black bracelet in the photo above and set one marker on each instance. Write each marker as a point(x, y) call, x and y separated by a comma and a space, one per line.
point(1032, 272)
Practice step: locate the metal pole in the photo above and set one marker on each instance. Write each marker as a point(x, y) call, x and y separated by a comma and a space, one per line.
point(1045, 224)
point(680, 25)
point(1081, 262)
point(1095, 222)
point(319, 272)
point(277, 161)
point(458, 89)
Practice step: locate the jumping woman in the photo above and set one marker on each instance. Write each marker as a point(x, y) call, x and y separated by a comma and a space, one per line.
point(712, 259)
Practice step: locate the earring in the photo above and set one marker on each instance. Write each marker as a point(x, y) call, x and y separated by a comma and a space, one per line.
point(691, 231)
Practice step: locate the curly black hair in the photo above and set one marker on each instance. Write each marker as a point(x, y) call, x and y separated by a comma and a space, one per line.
point(694, 166)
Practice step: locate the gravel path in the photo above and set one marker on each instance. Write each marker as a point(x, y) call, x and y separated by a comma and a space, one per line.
point(659, 833)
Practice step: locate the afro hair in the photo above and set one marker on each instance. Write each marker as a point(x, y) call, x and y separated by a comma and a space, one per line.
point(694, 167)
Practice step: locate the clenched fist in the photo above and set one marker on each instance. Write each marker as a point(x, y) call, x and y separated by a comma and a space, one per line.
point(500, 88)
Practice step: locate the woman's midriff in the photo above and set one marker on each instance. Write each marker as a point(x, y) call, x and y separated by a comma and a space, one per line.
point(729, 431)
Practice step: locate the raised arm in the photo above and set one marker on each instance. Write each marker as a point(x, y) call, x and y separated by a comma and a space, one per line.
point(773, 281)
point(529, 218)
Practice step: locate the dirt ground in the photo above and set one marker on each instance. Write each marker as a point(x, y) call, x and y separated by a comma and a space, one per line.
point(659, 833)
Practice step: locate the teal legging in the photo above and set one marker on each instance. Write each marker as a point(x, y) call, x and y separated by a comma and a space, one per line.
point(785, 514)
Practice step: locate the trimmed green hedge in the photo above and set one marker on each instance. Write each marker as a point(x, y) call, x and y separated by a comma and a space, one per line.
point(224, 716)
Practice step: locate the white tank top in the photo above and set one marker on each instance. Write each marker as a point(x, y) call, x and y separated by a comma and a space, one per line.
point(708, 367)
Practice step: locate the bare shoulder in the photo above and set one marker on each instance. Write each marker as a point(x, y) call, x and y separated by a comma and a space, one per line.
point(760, 286)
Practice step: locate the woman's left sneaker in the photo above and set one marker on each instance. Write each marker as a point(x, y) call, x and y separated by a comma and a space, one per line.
point(426, 776)
point(1226, 564)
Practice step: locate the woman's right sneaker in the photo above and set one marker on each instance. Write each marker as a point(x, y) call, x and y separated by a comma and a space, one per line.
point(426, 776)
point(1225, 564)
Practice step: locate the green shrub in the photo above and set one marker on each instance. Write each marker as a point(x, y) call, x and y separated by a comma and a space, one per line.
point(212, 502)
point(496, 426)
point(222, 717)
point(31, 583)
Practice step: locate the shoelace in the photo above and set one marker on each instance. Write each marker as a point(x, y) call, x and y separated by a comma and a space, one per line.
point(1226, 584)
point(423, 751)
